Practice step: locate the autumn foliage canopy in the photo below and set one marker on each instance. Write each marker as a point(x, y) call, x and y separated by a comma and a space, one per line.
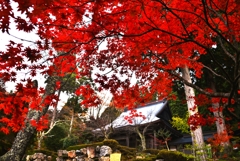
point(147, 39)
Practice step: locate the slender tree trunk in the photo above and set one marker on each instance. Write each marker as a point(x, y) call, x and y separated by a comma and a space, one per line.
point(167, 145)
point(23, 137)
point(197, 135)
point(220, 122)
point(40, 136)
point(71, 124)
point(154, 140)
point(54, 115)
point(142, 137)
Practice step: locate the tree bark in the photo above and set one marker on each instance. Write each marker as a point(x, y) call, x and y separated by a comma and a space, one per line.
point(220, 122)
point(54, 115)
point(71, 124)
point(19, 145)
point(197, 135)
point(40, 135)
point(142, 137)
point(166, 143)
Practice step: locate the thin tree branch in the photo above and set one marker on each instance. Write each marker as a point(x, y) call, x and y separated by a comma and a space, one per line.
point(218, 75)
point(225, 50)
point(217, 94)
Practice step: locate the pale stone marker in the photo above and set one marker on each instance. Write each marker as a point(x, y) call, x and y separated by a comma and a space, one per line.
point(115, 157)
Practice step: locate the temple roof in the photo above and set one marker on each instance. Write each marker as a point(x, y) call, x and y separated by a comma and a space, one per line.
point(154, 112)
point(151, 111)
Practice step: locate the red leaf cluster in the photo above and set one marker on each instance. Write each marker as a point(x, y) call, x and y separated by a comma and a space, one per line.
point(149, 40)
point(196, 120)
point(15, 106)
point(133, 115)
point(219, 139)
point(90, 97)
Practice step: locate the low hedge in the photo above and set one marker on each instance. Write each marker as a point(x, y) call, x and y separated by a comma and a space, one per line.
point(174, 155)
point(149, 157)
point(78, 147)
point(108, 142)
point(151, 151)
point(130, 153)
point(127, 152)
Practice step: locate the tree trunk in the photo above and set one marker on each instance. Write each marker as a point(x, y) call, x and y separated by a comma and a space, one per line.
point(19, 145)
point(197, 135)
point(166, 143)
point(23, 137)
point(40, 136)
point(220, 122)
point(39, 139)
point(71, 124)
point(54, 115)
point(143, 139)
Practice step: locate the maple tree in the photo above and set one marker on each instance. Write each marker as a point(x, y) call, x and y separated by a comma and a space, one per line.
point(151, 39)
point(136, 120)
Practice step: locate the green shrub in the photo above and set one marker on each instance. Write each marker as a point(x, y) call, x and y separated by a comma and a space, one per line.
point(174, 155)
point(54, 142)
point(86, 137)
point(151, 151)
point(146, 157)
point(78, 147)
point(69, 141)
point(109, 142)
point(127, 152)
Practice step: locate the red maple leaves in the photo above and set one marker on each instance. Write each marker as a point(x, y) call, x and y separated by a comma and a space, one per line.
point(133, 115)
point(16, 106)
point(149, 39)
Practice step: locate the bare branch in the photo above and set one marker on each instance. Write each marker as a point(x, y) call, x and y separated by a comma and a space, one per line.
point(225, 50)
point(218, 75)
point(217, 94)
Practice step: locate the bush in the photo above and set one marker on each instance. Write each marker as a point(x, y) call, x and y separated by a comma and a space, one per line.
point(151, 151)
point(127, 152)
point(109, 142)
point(78, 147)
point(69, 141)
point(146, 157)
point(174, 155)
point(86, 137)
point(55, 142)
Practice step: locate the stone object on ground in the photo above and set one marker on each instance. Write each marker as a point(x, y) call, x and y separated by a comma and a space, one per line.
point(115, 157)
point(71, 154)
point(105, 151)
point(91, 152)
point(85, 154)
